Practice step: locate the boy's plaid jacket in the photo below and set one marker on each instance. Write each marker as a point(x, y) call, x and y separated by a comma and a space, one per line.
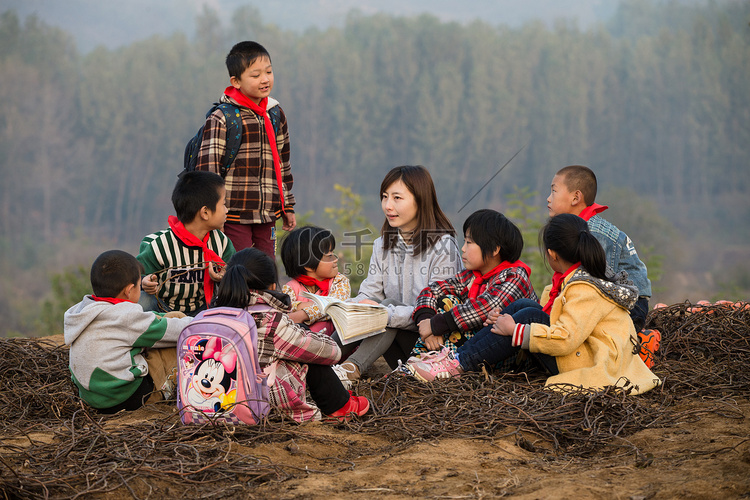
point(252, 191)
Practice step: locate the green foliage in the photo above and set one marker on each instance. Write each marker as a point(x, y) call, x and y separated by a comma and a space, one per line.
point(529, 220)
point(652, 234)
point(302, 220)
point(735, 287)
point(655, 264)
point(68, 288)
point(354, 235)
point(655, 105)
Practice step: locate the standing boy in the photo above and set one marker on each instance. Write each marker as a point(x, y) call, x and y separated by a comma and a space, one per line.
point(183, 261)
point(259, 181)
point(109, 333)
point(573, 192)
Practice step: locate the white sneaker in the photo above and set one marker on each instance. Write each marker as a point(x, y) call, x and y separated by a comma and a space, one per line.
point(346, 372)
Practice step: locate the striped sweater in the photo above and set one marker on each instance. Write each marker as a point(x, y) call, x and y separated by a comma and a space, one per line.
point(179, 267)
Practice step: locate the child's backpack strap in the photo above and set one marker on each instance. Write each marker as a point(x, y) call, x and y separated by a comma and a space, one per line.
point(270, 370)
point(233, 139)
point(275, 116)
point(234, 134)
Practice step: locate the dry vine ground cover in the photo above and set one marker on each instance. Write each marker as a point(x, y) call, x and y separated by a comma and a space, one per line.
point(480, 436)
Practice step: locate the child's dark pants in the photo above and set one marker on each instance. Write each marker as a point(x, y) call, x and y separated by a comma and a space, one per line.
point(326, 389)
point(490, 348)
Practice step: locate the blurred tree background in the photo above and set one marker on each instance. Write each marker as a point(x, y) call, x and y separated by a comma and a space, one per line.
point(657, 102)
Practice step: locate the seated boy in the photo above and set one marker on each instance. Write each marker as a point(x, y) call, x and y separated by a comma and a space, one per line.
point(108, 333)
point(573, 192)
point(493, 279)
point(183, 261)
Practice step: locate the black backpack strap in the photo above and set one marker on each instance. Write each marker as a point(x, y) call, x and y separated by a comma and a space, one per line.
point(234, 134)
point(275, 117)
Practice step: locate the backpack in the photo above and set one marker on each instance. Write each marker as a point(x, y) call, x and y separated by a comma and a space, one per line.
point(234, 136)
point(218, 374)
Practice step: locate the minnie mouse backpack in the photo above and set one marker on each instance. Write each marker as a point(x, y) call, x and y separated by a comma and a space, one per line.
point(219, 378)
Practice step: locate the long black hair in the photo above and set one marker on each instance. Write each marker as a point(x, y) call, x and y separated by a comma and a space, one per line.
point(432, 223)
point(249, 269)
point(569, 236)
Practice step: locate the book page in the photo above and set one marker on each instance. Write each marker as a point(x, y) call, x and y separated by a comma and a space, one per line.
point(353, 321)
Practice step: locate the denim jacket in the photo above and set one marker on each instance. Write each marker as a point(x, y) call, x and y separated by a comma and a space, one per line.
point(621, 254)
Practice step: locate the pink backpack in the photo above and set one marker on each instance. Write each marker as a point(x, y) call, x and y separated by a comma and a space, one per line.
point(219, 377)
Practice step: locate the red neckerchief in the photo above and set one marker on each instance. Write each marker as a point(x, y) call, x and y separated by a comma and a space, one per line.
point(557, 281)
point(260, 110)
point(209, 255)
point(323, 286)
point(591, 211)
point(480, 281)
point(111, 300)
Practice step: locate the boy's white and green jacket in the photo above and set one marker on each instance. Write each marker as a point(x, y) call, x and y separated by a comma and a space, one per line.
point(106, 341)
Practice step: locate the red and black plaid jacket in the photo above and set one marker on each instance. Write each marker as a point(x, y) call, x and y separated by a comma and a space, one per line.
point(252, 191)
point(502, 289)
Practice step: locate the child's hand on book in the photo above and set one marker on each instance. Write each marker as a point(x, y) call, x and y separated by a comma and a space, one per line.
point(368, 301)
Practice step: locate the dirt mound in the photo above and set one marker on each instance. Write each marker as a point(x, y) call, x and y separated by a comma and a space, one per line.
point(481, 436)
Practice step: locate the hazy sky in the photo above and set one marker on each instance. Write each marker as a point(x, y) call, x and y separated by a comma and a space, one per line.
point(95, 22)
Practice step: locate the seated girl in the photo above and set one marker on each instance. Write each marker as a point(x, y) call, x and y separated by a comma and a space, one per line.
point(295, 358)
point(449, 312)
point(587, 338)
point(308, 258)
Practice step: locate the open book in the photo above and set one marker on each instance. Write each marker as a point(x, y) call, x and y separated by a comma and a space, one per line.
point(353, 321)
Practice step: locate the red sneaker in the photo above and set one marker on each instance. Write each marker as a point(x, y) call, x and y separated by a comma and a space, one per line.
point(356, 406)
point(650, 340)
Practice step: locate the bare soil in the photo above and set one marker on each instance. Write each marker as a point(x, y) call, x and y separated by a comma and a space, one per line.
point(705, 454)
point(706, 458)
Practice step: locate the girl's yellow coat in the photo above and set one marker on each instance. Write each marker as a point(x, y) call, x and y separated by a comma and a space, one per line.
point(592, 338)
